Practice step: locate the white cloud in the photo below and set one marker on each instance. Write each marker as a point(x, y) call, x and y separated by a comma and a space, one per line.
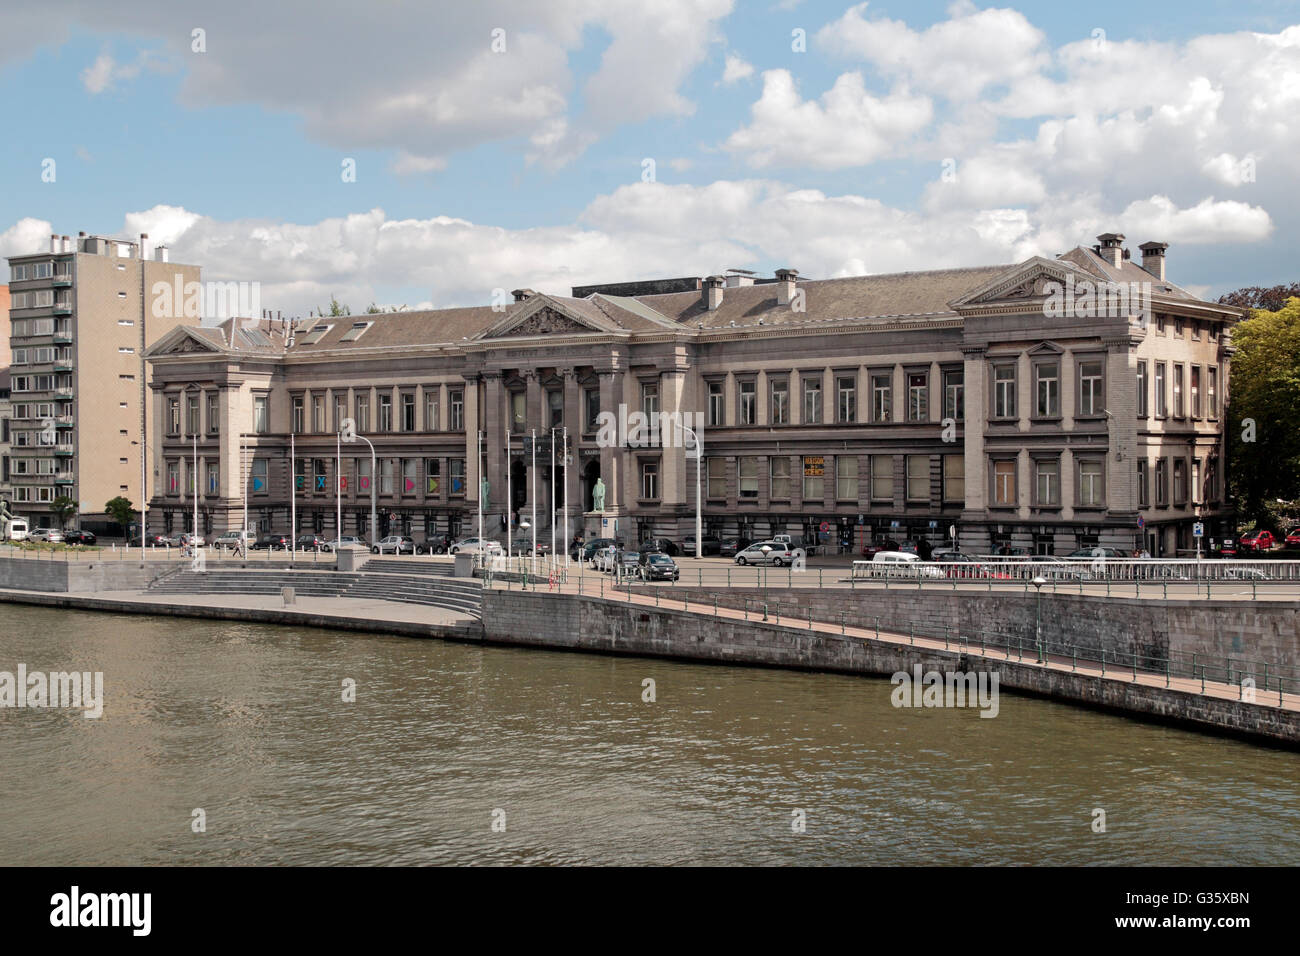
point(736, 69)
point(1209, 221)
point(847, 127)
point(97, 77)
point(407, 164)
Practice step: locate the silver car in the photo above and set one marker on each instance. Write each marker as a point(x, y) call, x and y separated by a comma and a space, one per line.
point(778, 554)
point(52, 535)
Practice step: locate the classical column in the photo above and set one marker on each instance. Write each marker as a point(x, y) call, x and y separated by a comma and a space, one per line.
point(494, 434)
point(975, 385)
point(796, 397)
point(672, 493)
point(611, 456)
point(573, 418)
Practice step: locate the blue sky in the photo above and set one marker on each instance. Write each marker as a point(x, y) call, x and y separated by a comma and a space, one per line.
point(232, 155)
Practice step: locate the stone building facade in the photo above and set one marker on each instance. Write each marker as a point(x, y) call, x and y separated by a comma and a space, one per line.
point(1000, 402)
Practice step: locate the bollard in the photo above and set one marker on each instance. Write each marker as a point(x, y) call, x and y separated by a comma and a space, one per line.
point(1074, 658)
point(877, 628)
point(841, 622)
point(715, 605)
point(1202, 678)
point(911, 632)
point(1103, 662)
point(810, 618)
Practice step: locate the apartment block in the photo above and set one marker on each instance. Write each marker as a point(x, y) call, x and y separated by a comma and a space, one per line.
point(82, 314)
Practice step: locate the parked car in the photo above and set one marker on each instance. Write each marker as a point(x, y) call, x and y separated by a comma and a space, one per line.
point(229, 541)
point(955, 564)
point(51, 535)
point(1083, 553)
point(1012, 551)
point(657, 566)
point(593, 547)
point(182, 539)
point(902, 564)
point(15, 529)
point(1292, 539)
point(311, 542)
point(434, 544)
point(604, 558)
point(627, 563)
point(475, 546)
point(709, 544)
point(731, 547)
point(663, 546)
point(1257, 541)
point(778, 554)
point(79, 537)
point(272, 542)
point(347, 541)
point(1245, 574)
point(872, 548)
point(526, 548)
point(394, 544)
point(151, 540)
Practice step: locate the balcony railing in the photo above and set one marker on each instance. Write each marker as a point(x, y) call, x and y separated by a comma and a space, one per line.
point(62, 280)
point(62, 308)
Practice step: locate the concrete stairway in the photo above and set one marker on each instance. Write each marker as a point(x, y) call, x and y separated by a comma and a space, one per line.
point(406, 565)
point(432, 589)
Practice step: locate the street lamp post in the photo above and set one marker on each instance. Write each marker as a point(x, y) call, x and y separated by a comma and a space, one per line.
point(348, 434)
point(144, 504)
point(699, 464)
point(532, 493)
point(1038, 583)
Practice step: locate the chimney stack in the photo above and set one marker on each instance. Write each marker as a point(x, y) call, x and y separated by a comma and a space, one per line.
point(54, 243)
point(160, 253)
point(1153, 258)
point(144, 238)
point(712, 297)
point(523, 295)
point(785, 285)
point(65, 243)
point(1112, 247)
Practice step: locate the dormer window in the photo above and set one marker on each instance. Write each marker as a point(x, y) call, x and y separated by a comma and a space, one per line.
point(358, 329)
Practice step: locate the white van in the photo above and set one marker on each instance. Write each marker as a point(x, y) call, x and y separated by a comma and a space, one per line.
point(16, 529)
point(902, 564)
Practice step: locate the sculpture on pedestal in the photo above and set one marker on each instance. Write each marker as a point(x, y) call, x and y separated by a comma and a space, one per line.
point(598, 496)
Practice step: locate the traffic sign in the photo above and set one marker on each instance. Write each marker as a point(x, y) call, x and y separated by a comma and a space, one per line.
point(824, 527)
point(1198, 530)
point(1142, 522)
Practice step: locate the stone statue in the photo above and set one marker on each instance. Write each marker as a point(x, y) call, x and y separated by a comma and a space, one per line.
point(598, 496)
point(4, 511)
point(484, 487)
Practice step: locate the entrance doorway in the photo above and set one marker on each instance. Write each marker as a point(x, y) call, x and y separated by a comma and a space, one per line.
point(590, 474)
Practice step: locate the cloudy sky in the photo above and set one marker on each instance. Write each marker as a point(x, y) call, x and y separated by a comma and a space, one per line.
point(507, 143)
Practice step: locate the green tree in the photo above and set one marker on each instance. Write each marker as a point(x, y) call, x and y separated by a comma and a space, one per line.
point(63, 508)
point(1263, 435)
point(120, 510)
point(336, 309)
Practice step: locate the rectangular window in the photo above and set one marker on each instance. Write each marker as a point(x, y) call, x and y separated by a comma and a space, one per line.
point(748, 477)
point(432, 477)
point(1004, 483)
point(954, 394)
point(173, 416)
point(1090, 483)
point(385, 413)
point(191, 414)
point(779, 402)
point(1178, 390)
point(812, 401)
point(1180, 481)
point(259, 483)
point(881, 396)
point(320, 476)
point(1144, 484)
point(778, 469)
point(717, 404)
point(1047, 390)
point(364, 478)
point(174, 478)
point(748, 403)
point(363, 412)
point(1196, 391)
point(846, 398)
point(918, 396)
point(1004, 391)
point(1142, 397)
point(846, 477)
point(555, 406)
point(1162, 397)
point(386, 476)
point(1212, 390)
point(814, 478)
point(297, 423)
point(592, 400)
point(340, 411)
point(650, 480)
point(1091, 399)
point(1196, 481)
point(717, 472)
point(457, 399)
point(408, 412)
point(518, 412)
point(214, 414)
point(410, 476)
point(918, 477)
point(1162, 482)
point(649, 398)
point(882, 477)
point(456, 470)
point(261, 423)
point(431, 409)
point(954, 478)
point(318, 414)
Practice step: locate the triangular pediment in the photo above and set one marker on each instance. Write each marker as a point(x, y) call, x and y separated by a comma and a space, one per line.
point(1032, 279)
point(180, 341)
point(542, 315)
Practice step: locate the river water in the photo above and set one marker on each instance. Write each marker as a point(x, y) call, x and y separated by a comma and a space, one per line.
point(247, 723)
